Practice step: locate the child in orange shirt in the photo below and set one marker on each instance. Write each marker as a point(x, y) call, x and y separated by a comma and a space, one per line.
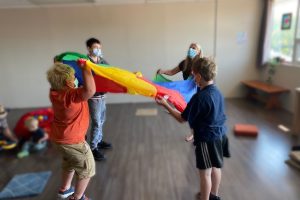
point(68, 130)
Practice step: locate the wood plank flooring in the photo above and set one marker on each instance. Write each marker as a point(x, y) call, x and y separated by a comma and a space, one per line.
point(151, 161)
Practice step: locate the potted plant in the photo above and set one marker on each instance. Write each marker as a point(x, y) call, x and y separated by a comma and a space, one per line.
point(272, 64)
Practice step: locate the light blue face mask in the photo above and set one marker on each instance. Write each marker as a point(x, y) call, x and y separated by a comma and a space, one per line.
point(97, 52)
point(76, 83)
point(192, 53)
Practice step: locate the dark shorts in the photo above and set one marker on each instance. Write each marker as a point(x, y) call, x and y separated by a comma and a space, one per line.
point(225, 142)
point(209, 154)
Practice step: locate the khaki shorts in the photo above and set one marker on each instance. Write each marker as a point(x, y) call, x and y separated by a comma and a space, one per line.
point(77, 157)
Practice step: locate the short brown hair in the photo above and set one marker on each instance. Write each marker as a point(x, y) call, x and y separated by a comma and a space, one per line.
point(206, 67)
point(59, 74)
point(89, 43)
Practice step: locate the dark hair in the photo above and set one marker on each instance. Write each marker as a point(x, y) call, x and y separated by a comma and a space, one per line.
point(91, 41)
point(206, 67)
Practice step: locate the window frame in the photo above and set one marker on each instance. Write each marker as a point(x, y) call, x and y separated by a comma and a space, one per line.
point(296, 41)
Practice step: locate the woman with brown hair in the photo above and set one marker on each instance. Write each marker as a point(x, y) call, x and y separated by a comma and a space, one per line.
point(185, 66)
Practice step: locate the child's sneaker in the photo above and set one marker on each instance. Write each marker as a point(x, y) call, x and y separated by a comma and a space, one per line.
point(214, 197)
point(22, 154)
point(82, 198)
point(211, 196)
point(65, 194)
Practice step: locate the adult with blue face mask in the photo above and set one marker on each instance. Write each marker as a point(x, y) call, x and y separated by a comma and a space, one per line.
point(185, 66)
point(97, 106)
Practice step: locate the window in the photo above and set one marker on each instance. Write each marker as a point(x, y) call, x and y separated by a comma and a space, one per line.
point(297, 40)
point(285, 41)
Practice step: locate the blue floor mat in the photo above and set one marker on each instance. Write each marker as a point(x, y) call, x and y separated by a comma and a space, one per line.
point(25, 185)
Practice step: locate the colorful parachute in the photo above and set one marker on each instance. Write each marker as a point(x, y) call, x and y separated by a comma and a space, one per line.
point(187, 88)
point(116, 80)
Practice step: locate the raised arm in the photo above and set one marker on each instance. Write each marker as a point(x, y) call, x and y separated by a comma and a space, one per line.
point(89, 87)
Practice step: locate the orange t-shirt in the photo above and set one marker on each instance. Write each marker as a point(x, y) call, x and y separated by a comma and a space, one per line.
point(71, 116)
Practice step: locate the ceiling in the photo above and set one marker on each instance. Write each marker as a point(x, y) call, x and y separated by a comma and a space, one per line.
point(46, 3)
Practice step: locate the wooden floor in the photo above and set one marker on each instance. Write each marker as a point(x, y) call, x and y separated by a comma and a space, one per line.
point(151, 160)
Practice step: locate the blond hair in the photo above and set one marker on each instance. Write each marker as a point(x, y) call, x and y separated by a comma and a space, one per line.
point(198, 47)
point(188, 62)
point(206, 67)
point(59, 74)
point(31, 123)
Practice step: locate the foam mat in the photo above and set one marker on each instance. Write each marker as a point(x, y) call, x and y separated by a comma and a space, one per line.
point(25, 185)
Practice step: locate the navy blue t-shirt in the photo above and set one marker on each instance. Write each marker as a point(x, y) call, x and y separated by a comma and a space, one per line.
point(205, 114)
point(37, 135)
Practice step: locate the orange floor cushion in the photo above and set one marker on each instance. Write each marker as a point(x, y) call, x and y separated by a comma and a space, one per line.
point(245, 130)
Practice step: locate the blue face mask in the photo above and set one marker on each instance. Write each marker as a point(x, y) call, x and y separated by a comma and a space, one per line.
point(76, 83)
point(97, 52)
point(191, 53)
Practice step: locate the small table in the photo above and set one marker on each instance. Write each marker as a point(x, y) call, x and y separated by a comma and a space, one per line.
point(272, 91)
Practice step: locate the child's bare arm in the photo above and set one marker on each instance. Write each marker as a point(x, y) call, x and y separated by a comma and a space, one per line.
point(175, 113)
point(10, 135)
point(89, 87)
point(46, 136)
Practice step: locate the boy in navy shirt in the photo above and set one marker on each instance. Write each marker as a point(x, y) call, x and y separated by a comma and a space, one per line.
point(205, 114)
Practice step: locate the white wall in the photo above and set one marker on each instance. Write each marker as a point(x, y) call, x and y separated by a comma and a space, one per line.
point(141, 37)
point(236, 56)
